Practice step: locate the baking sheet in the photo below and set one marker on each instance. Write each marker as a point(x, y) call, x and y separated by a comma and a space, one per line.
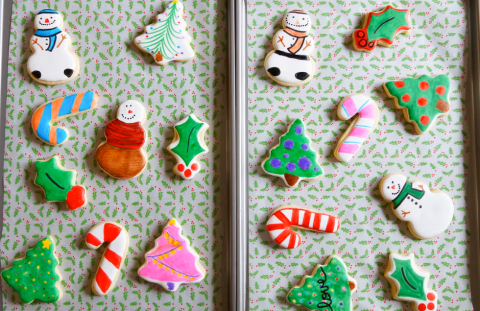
point(102, 33)
point(437, 44)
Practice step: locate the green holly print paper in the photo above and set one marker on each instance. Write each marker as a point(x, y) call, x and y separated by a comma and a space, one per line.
point(36, 276)
point(437, 44)
point(102, 34)
point(424, 99)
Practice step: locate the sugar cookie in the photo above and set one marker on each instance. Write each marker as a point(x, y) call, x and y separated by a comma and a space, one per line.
point(409, 282)
point(290, 63)
point(113, 257)
point(329, 287)
point(188, 146)
point(36, 276)
point(381, 28)
point(293, 159)
point(282, 219)
point(52, 61)
point(428, 212)
point(422, 99)
point(172, 262)
point(358, 131)
point(122, 156)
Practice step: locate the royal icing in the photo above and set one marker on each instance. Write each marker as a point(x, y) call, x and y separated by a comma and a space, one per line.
point(290, 63)
point(188, 146)
point(167, 40)
point(121, 156)
point(58, 109)
point(59, 183)
point(428, 212)
point(329, 288)
point(361, 126)
point(422, 99)
point(409, 282)
point(293, 159)
point(113, 257)
point(171, 262)
point(52, 61)
point(36, 276)
point(381, 28)
point(284, 218)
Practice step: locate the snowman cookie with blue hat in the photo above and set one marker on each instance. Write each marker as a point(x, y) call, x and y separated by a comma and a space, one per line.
point(52, 61)
point(429, 212)
point(290, 63)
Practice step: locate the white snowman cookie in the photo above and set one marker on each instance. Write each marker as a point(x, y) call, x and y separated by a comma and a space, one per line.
point(52, 62)
point(428, 212)
point(290, 63)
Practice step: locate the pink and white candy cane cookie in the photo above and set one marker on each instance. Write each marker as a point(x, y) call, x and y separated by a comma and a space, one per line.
point(109, 267)
point(358, 131)
point(282, 219)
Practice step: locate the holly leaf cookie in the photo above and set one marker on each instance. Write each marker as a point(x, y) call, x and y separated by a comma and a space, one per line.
point(58, 183)
point(422, 99)
point(36, 276)
point(381, 28)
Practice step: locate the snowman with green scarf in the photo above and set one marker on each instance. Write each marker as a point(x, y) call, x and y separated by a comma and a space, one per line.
point(428, 212)
point(52, 62)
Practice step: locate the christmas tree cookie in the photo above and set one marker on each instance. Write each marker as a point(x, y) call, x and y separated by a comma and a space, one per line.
point(171, 262)
point(422, 99)
point(293, 159)
point(167, 40)
point(381, 28)
point(59, 183)
point(328, 288)
point(409, 282)
point(36, 276)
point(188, 146)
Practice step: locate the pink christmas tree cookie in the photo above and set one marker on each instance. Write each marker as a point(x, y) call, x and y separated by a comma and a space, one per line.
point(172, 262)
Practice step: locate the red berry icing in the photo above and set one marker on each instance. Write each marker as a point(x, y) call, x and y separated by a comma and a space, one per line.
point(422, 307)
point(431, 296)
point(423, 85)
point(194, 167)
point(406, 98)
point(181, 167)
point(440, 90)
point(399, 83)
point(431, 306)
point(424, 119)
point(188, 173)
point(76, 197)
point(422, 101)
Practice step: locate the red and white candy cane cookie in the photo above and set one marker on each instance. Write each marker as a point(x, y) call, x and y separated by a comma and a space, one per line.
point(281, 221)
point(109, 267)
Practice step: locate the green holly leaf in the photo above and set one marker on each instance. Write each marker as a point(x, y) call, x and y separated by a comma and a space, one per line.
point(188, 143)
point(409, 280)
point(55, 181)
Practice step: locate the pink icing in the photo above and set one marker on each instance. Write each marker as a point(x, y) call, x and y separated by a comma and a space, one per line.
point(348, 148)
point(361, 132)
point(349, 105)
point(368, 112)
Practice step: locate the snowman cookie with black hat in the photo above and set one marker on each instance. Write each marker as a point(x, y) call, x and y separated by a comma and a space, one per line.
point(429, 212)
point(52, 62)
point(290, 63)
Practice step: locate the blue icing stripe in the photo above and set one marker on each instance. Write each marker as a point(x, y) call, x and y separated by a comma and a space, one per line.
point(61, 135)
point(86, 101)
point(43, 130)
point(66, 105)
point(366, 126)
point(351, 142)
point(348, 115)
point(363, 105)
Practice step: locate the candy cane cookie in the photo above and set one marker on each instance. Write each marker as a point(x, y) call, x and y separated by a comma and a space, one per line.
point(58, 109)
point(109, 267)
point(358, 131)
point(282, 219)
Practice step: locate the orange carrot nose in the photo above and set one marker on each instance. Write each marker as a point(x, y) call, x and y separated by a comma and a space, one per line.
point(297, 22)
point(130, 111)
point(393, 187)
point(47, 21)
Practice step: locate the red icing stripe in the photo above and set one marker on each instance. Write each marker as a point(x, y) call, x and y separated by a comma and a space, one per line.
point(282, 236)
point(306, 219)
point(91, 239)
point(103, 281)
point(316, 222)
point(276, 227)
point(291, 243)
point(110, 232)
point(295, 216)
point(282, 218)
point(330, 224)
point(113, 257)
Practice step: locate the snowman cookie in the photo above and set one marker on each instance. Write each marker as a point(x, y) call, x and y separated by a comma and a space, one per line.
point(428, 212)
point(52, 61)
point(121, 156)
point(290, 63)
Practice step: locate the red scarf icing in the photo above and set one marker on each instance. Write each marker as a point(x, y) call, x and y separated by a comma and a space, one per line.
point(125, 135)
point(300, 35)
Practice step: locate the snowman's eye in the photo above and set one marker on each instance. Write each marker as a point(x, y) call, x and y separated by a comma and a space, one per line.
point(388, 187)
point(392, 182)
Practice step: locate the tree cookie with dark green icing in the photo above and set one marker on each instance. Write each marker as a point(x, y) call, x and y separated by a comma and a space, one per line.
point(422, 99)
point(36, 276)
point(293, 159)
point(328, 288)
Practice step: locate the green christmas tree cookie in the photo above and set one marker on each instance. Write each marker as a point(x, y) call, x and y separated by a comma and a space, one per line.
point(409, 282)
point(328, 288)
point(293, 158)
point(36, 277)
point(58, 183)
point(422, 99)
